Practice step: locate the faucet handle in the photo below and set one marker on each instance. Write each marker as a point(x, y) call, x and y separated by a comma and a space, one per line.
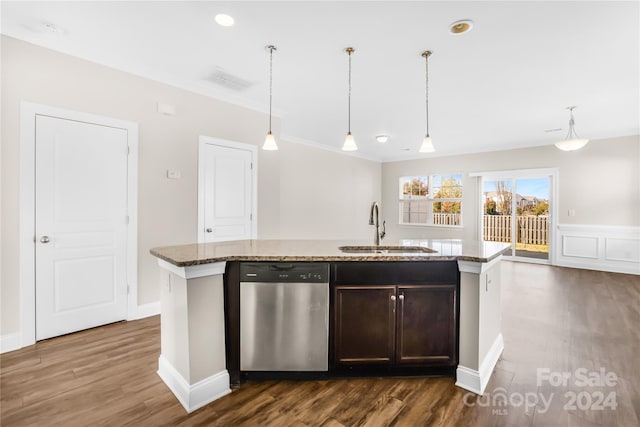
point(384, 230)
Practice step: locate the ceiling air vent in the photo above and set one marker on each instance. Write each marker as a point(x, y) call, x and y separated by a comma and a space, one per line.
point(224, 79)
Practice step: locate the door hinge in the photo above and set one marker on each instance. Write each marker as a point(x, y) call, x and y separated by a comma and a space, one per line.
point(128, 150)
point(126, 219)
point(251, 165)
point(128, 289)
point(251, 217)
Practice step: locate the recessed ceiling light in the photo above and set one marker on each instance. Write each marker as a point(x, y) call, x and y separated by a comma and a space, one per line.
point(461, 27)
point(224, 20)
point(382, 138)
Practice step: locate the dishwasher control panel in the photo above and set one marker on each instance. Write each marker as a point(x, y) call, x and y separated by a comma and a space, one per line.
point(285, 272)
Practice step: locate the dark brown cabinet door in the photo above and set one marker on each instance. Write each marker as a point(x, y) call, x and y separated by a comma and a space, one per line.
point(364, 324)
point(426, 330)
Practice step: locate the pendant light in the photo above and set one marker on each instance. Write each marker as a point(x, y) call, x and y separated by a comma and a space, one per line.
point(427, 144)
point(270, 141)
point(349, 141)
point(571, 142)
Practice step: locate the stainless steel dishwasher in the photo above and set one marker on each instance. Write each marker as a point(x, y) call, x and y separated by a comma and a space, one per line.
point(284, 316)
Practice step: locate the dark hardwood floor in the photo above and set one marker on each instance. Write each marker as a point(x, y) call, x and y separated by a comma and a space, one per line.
point(557, 319)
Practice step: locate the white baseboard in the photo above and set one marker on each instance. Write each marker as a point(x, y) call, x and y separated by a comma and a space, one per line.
point(468, 379)
point(193, 396)
point(10, 342)
point(476, 381)
point(595, 247)
point(148, 310)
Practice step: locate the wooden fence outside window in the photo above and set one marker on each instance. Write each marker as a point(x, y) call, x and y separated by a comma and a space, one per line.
point(531, 230)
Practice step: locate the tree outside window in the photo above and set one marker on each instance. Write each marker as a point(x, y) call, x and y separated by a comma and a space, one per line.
point(431, 200)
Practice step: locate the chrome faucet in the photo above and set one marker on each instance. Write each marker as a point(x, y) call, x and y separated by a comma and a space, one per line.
point(375, 221)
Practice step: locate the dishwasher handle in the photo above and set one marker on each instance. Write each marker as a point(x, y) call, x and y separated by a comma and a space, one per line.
point(281, 267)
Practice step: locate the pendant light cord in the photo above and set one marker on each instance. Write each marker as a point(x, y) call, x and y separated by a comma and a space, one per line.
point(349, 115)
point(572, 132)
point(270, 83)
point(426, 89)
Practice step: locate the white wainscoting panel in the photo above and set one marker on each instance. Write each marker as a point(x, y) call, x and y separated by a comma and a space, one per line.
point(599, 247)
point(580, 247)
point(627, 250)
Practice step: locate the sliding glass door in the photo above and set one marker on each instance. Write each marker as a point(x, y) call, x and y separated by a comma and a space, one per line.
point(516, 210)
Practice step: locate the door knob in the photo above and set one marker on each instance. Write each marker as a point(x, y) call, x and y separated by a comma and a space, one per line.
point(209, 230)
point(44, 239)
point(393, 297)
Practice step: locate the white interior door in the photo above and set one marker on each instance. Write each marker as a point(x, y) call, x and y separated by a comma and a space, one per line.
point(227, 193)
point(81, 225)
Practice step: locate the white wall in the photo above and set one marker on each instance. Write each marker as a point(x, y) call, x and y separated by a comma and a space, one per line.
point(601, 183)
point(328, 194)
point(168, 208)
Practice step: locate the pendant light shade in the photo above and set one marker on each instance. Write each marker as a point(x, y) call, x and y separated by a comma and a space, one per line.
point(270, 141)
point(571, 142)
point(349, 141)
point(427, 144)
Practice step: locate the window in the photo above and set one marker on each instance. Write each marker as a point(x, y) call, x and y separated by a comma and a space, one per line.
point(431, 200)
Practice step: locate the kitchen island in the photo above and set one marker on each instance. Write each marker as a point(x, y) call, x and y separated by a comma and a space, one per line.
point(199, 357)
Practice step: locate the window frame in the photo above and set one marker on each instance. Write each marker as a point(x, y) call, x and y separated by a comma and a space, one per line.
point(429, 199)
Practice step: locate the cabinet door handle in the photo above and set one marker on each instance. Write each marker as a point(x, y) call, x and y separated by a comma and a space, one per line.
point(401, 297)
point(393, 300)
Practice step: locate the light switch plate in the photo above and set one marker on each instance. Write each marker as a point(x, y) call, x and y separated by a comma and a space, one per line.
point(173, 174)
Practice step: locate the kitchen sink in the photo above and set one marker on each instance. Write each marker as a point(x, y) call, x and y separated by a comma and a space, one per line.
point(386, 250)
point(417, 249)
point(348, 250)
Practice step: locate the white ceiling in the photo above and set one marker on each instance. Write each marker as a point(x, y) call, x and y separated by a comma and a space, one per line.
point(499, 86)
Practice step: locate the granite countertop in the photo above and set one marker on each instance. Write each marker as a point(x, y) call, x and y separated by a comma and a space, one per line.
point(328, 250)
